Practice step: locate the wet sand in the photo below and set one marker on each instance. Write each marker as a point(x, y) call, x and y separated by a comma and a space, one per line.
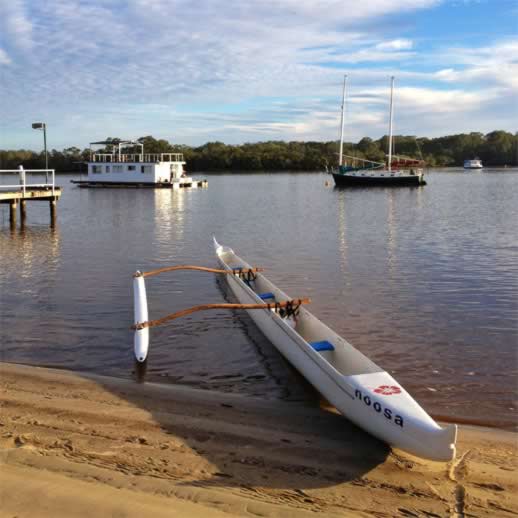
point(80, 445)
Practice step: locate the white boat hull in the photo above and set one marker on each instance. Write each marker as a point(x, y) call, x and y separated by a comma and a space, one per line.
point(344, 376)
point(473, 164)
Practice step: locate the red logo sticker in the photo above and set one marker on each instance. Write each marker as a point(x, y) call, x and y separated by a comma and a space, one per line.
point(387, 390)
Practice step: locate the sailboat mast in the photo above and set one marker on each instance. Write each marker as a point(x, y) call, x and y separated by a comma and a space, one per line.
point(342, 122)
point(390, 124)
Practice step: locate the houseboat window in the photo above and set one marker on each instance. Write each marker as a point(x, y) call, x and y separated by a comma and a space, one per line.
point(107, 168)
point(146, 169)
point(97, 169)
point(132, 168)
point(117, 169)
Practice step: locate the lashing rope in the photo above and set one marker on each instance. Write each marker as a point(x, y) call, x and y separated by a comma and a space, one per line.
point(291, 309)
point(246, 275)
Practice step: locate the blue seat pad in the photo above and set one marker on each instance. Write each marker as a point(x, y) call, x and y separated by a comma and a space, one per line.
point(265, 296)
point(324, 345)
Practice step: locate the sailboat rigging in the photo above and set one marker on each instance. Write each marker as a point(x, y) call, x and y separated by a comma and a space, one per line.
point(398, 171)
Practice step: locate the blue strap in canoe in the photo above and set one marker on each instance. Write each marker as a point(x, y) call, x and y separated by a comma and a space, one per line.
point(324, 345)
point(266, 296)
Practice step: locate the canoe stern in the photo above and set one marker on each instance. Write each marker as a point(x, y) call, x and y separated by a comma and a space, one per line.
point(385, 409)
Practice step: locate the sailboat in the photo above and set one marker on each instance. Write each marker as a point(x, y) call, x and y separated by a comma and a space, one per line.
point(398, 171)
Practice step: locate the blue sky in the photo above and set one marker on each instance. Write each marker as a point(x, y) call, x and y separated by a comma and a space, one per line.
point(250, 70)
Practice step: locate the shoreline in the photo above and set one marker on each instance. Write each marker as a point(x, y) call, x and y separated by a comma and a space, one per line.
point(502, 425)
point(110, 445)
point(221, 172)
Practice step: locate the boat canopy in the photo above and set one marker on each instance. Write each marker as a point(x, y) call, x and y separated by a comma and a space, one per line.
point(404, 161)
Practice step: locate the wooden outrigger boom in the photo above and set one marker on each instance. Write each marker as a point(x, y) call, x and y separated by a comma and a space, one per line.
point(151, 273)
point(142, 324)
point(279, 305)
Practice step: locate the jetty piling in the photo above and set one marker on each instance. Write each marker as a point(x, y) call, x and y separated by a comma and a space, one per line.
point(19, 194)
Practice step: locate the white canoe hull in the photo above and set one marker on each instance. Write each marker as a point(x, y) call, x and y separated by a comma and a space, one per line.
point(357, 387)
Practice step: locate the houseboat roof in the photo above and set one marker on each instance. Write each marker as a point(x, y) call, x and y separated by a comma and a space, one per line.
point(136, 158)
point(113, 153)
point(115, 142)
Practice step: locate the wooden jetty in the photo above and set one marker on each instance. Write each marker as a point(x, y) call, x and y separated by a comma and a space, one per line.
point(18, 194)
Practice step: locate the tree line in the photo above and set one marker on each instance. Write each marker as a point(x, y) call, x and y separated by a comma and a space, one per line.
point(497, 148)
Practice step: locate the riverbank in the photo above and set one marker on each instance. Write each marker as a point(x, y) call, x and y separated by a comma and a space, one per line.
point(77, 445)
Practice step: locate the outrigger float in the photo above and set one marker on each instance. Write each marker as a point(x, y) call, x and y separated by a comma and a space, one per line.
point(112, 168)
point(361, 390)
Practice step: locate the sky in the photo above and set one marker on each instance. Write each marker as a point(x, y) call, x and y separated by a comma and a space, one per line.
point(240, 71)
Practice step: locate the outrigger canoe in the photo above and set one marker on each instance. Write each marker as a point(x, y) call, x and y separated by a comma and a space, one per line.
point(361, 390)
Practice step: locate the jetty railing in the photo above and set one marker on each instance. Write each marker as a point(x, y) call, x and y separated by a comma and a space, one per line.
point(23, 185)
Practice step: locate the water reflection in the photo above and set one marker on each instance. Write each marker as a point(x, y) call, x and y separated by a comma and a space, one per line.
point(29, 275)
point(170, 220)
point(449, 249)
point(164, 215)
point(342, 233)
point(33, 250)
point(391, 233)
point(419, 196)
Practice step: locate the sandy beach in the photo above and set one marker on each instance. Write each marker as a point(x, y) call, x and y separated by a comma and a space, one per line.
point(80, 445)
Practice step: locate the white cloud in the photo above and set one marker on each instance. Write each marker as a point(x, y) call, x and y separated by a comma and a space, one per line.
point(16, 24)
point(4, 57)
point(164, 50)
point(208, 70)
point(496, 64)
point(399, 44)
point(425, 100)
point(505, 74)
point(499, 53)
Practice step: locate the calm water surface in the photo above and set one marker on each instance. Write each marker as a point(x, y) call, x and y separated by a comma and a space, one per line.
point(423, 280)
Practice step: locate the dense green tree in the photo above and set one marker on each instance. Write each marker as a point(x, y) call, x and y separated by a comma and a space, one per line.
point(496, 148)
point(152, 145)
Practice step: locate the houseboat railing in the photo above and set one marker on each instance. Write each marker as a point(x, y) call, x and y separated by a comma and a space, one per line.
point(23, 185)
point(146, 158)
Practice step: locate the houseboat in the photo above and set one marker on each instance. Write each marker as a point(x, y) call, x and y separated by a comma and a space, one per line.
point(473, 164)
point(111, 167)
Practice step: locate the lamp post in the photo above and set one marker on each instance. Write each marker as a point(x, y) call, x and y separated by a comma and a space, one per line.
point(43, 126)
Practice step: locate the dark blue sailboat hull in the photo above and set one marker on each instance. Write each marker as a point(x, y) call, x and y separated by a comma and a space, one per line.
point(349, 180)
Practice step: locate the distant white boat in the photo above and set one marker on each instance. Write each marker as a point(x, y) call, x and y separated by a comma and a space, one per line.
point(473, 164)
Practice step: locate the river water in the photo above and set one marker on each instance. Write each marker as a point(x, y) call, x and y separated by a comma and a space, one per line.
point(423, 280)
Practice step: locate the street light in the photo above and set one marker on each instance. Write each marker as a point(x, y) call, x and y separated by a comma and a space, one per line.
point(43, 126)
